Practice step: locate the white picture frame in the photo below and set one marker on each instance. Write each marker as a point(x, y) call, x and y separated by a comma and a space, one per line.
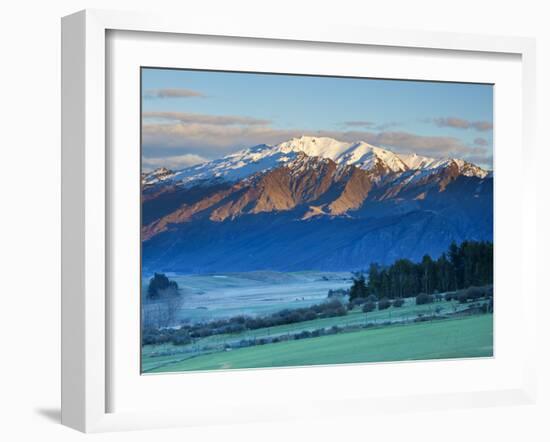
point(85, 214)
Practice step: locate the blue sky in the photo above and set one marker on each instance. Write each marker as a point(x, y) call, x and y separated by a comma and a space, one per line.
point(193, 116)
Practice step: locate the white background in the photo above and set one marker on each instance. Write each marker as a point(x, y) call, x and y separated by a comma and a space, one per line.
point(29, 222)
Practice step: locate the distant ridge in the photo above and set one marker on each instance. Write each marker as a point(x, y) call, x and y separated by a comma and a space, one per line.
point(264, 157)
point(311, 203)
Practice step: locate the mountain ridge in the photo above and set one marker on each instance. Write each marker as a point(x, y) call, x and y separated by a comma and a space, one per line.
point(263, 157)
point(302, 205)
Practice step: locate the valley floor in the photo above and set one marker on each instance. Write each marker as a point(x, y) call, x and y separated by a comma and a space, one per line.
point(458, 337)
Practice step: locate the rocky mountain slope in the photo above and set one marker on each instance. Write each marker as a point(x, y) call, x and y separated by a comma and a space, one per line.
point(310, 204)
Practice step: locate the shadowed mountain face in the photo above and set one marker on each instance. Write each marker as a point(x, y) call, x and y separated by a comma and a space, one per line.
point(305, 212)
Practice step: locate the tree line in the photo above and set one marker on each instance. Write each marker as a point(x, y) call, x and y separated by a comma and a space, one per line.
point(184, 334)
point(461, 266)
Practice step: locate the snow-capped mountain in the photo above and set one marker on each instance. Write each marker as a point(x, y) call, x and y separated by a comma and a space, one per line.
point(244, 163)
point(311, 203)
point(157, 176)
point(415, 161)
point(418, 162)
point(360, 154)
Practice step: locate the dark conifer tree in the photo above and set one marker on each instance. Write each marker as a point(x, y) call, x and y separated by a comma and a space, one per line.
point(462, 266)
point(359, 287)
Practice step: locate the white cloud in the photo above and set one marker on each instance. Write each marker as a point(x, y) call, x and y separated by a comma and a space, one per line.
point(360, 123)
point(172, 93)
point(218, 120)
point(173, 162)
point(214, 136)
point(460, 123)
point(481, 142)
point(364, 124)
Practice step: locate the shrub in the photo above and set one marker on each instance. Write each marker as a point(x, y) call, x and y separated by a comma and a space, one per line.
point(449, 296)
point(303, 335)
point(239, 319)
point(234, 328)
point(154, 337)
point(423, 298)
point(316, 333)
point(384, 303)
point(203, 332)
point(475, 293)
point(335, 303)
point(368, 307)
point(335, 309)
point(398, 302)
point(372, 298)
point(462, 297)
point(295, 317)
point(181, 339)
point(356, 302)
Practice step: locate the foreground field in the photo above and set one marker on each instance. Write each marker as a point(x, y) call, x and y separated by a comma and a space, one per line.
point(154, 356)
point(451, 338)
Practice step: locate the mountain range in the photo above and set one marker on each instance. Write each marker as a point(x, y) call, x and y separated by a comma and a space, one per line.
point(310, 203)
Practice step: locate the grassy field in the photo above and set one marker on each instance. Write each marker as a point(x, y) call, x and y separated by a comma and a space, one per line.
point(452, 338)
point(155, 355)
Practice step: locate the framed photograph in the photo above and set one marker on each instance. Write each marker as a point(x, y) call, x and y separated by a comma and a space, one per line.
point(270, 221)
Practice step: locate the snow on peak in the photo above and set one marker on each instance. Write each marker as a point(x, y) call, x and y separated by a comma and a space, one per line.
point(418, 162)
point(315, 146)
point(235, 166)
point(470, 169)
point(415, 161)
point(360, 154)
point(264, 157)
point(156, 176)
point(368, 157)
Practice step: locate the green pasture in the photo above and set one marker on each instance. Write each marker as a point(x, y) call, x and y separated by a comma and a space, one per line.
point(408, 311)
point(440, 339)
